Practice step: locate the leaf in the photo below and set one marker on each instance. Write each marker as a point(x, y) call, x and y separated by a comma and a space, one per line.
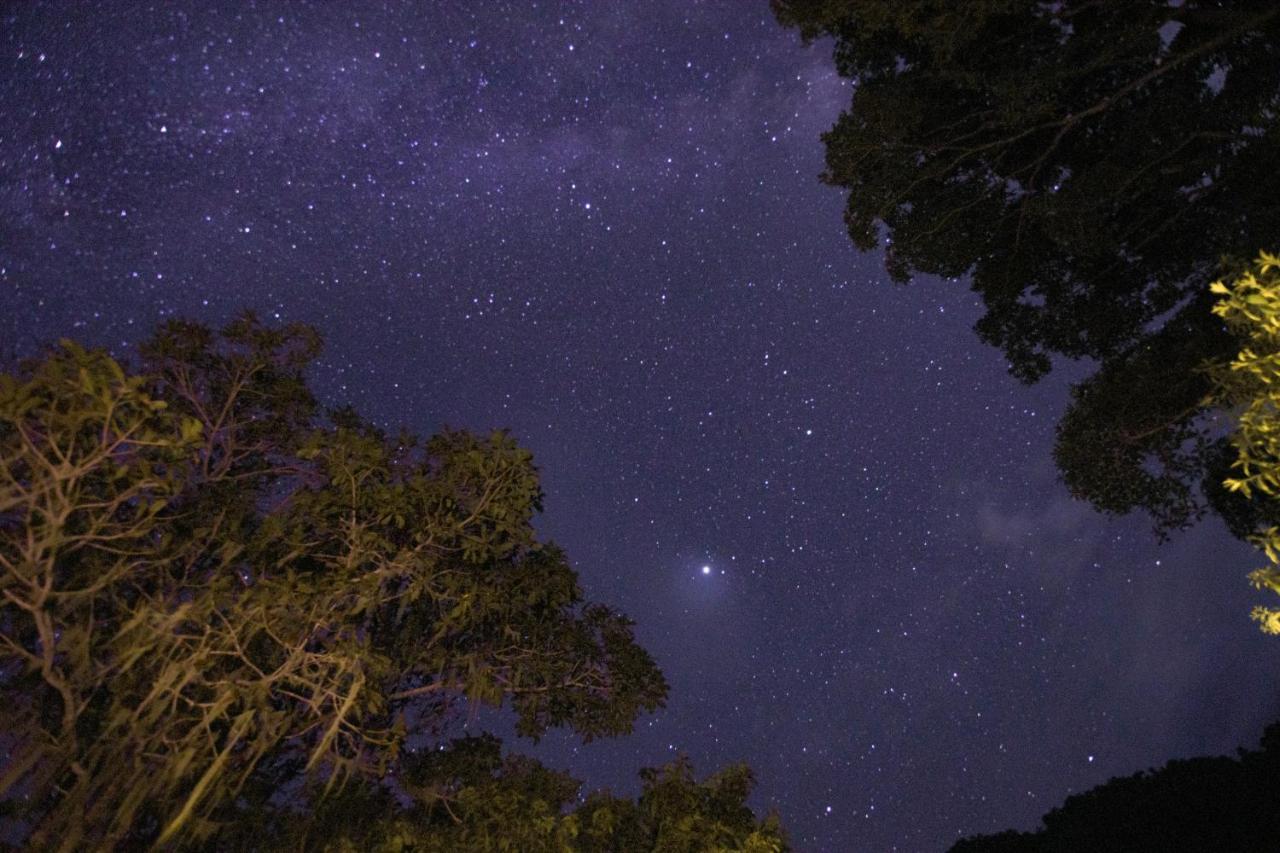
point(192, 429)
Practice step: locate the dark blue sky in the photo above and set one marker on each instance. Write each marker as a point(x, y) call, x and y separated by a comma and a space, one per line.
point(600, 224)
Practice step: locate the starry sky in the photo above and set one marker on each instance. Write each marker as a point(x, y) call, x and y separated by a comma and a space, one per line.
point(600, 225)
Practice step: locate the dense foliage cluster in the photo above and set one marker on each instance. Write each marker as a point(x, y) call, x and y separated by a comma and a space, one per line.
point(1075, 159)
point(1250, 384)
point(211, 591)
point(466, 796)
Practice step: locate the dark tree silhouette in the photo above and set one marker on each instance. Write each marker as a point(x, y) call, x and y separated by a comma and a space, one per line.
point(1092, 166)
point(1197, 805)
point(467, 797)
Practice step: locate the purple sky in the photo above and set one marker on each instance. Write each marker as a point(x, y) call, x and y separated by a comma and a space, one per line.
point(600, 224)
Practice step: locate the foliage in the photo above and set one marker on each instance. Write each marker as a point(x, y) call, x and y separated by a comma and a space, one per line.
point(209, 589)
point(1251, 383)
point(1073, 158)
point(1123, 450)
point(467, 796)
point(1200, 804)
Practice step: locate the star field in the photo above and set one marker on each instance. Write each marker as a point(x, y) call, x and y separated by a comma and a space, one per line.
point(600, 225)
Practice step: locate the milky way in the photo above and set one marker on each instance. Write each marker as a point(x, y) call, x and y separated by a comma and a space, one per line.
point(600, 225)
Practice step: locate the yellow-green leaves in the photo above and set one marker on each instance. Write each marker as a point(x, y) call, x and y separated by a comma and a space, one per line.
point(192, 429)
point(1250, 384)
point(210, 587)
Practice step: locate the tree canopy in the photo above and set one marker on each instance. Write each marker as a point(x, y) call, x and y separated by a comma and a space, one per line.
point(1092, 167)
point(1250, 386)
point(467, 796)
point(212, 590)
point(1202, 804)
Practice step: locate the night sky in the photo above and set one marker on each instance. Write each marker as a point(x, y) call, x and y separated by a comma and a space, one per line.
point(831, 512)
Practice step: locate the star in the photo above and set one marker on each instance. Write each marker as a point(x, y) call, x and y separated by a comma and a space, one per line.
point(623, 349)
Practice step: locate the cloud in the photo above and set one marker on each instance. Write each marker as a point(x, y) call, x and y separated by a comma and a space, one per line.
point(1060, 520)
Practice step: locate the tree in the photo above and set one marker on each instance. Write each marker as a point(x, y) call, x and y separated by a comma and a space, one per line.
point(1198, 804)
point(467, 796)
point(1073, 158)
point(209, 588)
point(1250, 384)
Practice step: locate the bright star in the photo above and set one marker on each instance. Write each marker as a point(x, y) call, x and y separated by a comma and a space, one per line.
point(706, 570)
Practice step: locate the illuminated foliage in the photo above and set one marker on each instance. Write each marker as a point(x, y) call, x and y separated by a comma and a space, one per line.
point(208, 587)
point(1250, 383)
